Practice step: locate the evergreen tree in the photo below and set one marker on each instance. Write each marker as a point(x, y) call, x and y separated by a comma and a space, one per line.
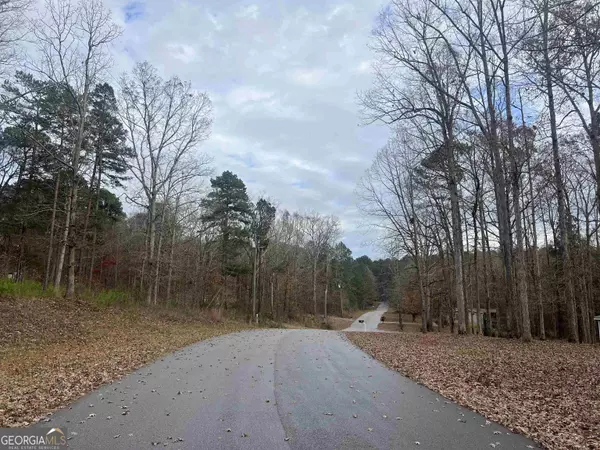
point(107, 137)
point(264, 216)
point(363, 282)
point(341, 264)
point(106, 147)
point(228, 209)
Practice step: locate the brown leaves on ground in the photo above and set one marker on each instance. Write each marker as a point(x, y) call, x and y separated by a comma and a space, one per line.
point(549, 391)
point(53, 351)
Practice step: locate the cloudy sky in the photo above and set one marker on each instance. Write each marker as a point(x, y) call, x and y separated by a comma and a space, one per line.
point(283, 76)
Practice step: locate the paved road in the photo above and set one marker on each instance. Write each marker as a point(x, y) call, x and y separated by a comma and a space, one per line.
point(370, 319)
point(274, 389)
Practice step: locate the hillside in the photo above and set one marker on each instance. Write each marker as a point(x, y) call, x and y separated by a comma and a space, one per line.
point(53, 351)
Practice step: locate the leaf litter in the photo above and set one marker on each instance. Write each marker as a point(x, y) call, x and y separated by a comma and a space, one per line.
point(54, 351)
point(546, 390)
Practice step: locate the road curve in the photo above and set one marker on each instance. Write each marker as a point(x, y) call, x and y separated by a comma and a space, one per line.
point(370, 320)
point(274, 389)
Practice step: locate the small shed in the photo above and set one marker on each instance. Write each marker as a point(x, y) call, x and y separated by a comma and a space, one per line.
point(597, 320)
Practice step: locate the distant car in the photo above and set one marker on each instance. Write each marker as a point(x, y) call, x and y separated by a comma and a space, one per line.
point(361, 321)
point(383, 318)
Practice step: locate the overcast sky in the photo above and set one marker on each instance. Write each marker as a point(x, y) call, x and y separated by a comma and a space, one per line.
point(283, 76)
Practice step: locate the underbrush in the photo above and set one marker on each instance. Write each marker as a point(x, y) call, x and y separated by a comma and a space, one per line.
point(25, 288)
point(106, 298)
point(34, 289)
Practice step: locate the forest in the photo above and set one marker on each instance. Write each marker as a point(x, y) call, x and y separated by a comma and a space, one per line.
point(489, 181)
point(77, 152)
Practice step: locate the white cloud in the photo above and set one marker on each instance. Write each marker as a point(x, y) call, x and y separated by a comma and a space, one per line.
point(364, 66)
point(183, 52)
point(305, 165)
point(249, 12)
point(283, 78)
point(215, 23)
point(251, 100)
point(338, 10)
point(243, 95)
point(308, 77)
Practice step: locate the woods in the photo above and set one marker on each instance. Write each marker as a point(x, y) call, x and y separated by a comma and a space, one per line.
point(486, 193)
point(489, 181)
point(104, 187)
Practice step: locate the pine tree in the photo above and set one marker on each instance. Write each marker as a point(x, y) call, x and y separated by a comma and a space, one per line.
point(263, 218)
point(228, 209)
point(107, 146)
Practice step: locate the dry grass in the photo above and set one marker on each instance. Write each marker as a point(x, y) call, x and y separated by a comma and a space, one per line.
point(549, 391)
point(53, 351)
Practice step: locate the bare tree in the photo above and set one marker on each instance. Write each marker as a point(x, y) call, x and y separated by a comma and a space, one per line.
point(165, 121)
point(389, 194)
point(333, 235)
point(12, 30)
point(185, 191)
point(320, 232)
point(418, 80)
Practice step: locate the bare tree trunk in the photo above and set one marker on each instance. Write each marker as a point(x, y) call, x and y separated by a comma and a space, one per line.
point(95, 232)
point(457, 237)
point(72, 246)
point(594, 130)
point(485, 256)
point(589, 279)
point(273, 310)
point(75, 182)
point(172, 249)
point(254, 281)
point(497, 169)
point(150, 249)
point(286, 300)
point(537, 279)
point(467, 280)
point(63, 246)
point(70, 292)
point(422, 295)
point(521, 281)
point(144, 259)
point(314, 285)
point(87, 218)
point(428, 302)
point(563, 249)
point(51, 240)
point(158, 256)
point(537, 274)
point(326, 286)
point(475, 258)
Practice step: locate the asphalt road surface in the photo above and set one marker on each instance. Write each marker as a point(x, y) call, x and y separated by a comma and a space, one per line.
point(370, 320)
point(274, 389)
